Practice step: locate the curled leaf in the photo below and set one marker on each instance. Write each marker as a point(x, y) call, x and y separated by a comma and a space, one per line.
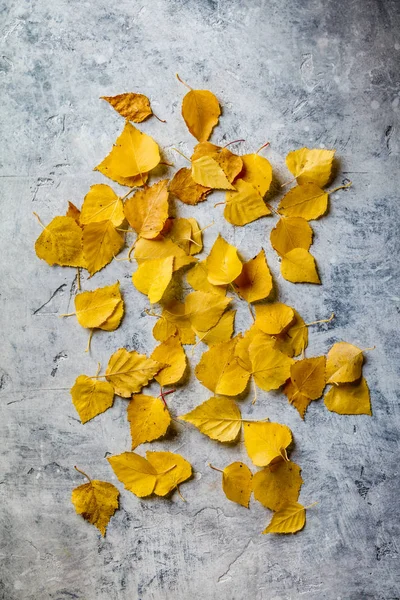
point(131, 106)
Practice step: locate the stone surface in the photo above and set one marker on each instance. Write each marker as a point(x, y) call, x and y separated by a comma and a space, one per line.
point(312, 72)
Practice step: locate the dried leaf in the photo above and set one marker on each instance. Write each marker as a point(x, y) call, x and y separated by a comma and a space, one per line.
point(174, 320)
point(255, 281)
point(197, 278)
point(187, 235)
point(146, 250)
point(278, 485)
point(93, 309)
point(257, 170)
point(101, 242)
point(147, 210)
point(221, 332)
point(219, 370)
point(274, 318)
point(205, 309)
point(295, 339)
point(96, 501)
point(153, 277)
point(307, 201)
point(186, 189)
point(311, 165)
point(298, 400)
point(298, 266)
point(237, 483)
point(343, 363)
point(128, 372)
point(172, 469)
point(308, 376)
point(218, 418)
point(207, 172)
point(290, 233)
point(91, 397)
point(131, 106)
point(289, 519)
point(171, 353)
point(223, 264)
point(266, 442)
point(101, 203)
point(60, 243)
point(135, 472)
point(73, 212)
point(349, 398)
point(148, 417)
point(200, 111)
point(244, 205)
point(230, 163)
point(270, 367)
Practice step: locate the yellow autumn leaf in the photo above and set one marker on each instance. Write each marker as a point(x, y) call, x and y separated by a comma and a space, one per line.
point(244, 205)
point(230, 163)
point(171, 353)
point(343, 363)
point(243, 343)
point(187, 235)
point(186, 189)
point(218, 418)
point(255, 281)
point(205, 309)
point(148, 417)
point(200, 111)
point(134, 107)
point(101, 242)
point(128, 371)
point(270, 367)
point(307, 201)
point(221, 332)
point(113, 321)
point(60, 243)
point(172, 320)
point(91, 397)
point(311, 165)
point(94, 308)
point(223, 264)
point(135, 472)
point(152, 277)
point(278, 485)
point(96, 501)
point(308, 376)
point(349, 398)
point(237, 483)
point(197, 279)
point(133, 154)
point(289, 519)
point(146, 250)
point(101, 203)
point(266, 443)
point(219, 370)
point(147, 210)
point(135, 181)
point(172, 469)
point(208, 173)
point(257, 170)
point(274, 318)
point(73, 212)
point(298, 266)
point(293, 340)
point(290, 233)
point(296, 398)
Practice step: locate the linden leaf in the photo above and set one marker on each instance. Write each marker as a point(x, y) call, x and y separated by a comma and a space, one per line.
point(296, 398)
point(101, 203)
point(255, 281)
point(197, 279)
point(147, 210)
point(173, 355)
point(73, 212)
point(306, 200)
point(218, 418)
point(311, 165)
point(153, 277)
point(298, 266)
point(96, 501)
point(172, 469)
point(219, 370)
point(221, 332)
point(186, 189)
point(94, 308)
point(133, 154)
point(60, 243)
point(200, 111)
point(101, 242)
point(148, 417)
point(289, 519)
point(274, 318)
point(174, 320)
point(257, 170)
point(91, 397)
point(244, 205)
point(207, 172)
point(230, 163)
point(278, 485)
point(146, 250)
point(295, 339)
point(134, 107)
point(128, 372)
point(349, 398)
point(266, 442)
point(290, 233)
point(135, 472)
point(343, 363)
point(270, 367)
point(205, 309)
point(223, 264)
point(237, 483)
point(308, 376)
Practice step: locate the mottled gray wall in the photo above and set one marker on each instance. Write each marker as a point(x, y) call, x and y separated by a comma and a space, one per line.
point(294, 72)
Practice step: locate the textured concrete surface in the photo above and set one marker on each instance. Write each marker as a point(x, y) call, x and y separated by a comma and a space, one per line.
point(310, 72)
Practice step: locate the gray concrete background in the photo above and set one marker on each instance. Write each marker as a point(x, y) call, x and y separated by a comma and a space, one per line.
point(310, 72)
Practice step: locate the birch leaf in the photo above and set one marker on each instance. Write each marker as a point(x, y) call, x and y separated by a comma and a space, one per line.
point(255, 281)
point(298, 266)
point(208, 173)
point(307, 201)
point(174, 320)
point(204, 309)
point(171, 353)
point(153, 277)
point(244, 205)
point(172, 469)
point(289, 519)
point(349, 398)
point(131, 106)
point(128, 372)
point(274, 318)
point(96, 502)
point(223, 264)
point(257, 170)
point(94, 308)
point(219, 370)
point(237, 483)
point(311, 165)
point(73, 212)
point(221, 332)
point(294, 340)
point(197, 278)
point(218, 418)
point(186, 234)
point(91, 397)
point(230, 163)
point(135, 472)
point(296, 398)
point(147, 210)
point(266, 442)
point(101, 203)
point(308, 376)
point(184, 187)
point(278, 485)
point(60, 243)
point(343, 363)
point(148, 417)
point(270, 368)
point(146, 250)
point(290, 233)
point(101, 242)
point(200, 111)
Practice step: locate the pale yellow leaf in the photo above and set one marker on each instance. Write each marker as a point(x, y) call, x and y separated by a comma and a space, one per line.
point(205, 309)
point(257, 170)
point(219, 370)
point(172, 469)
point(197, 279)
point(221, 332)
point(153, 277)
point(146, 250)
point(289, 519)
point(94, 308)
point(311, 165)
point(273, 318)
point(270, 367)
point(230, 163)
point(60, 243)
point(148, 417)
point(101, 242)
point(101, 203)
point(208, 173)
point(293, 340)
point(244, 205)
point(307, 201)
point(174, 320)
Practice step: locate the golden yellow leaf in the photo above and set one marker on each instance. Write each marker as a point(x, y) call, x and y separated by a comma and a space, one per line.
point(223, 264)
point(274, 318)
point(218, 418)
point(128, 372)
point(171, 353)
point(243, 343)
point(307, 201)
point(219, 370)
point(153, 277)
point(230, 163)
point(135, 181)
point(135, 472)
point(298, 266)
point(343, 363)
point(221, 332)
point(186, 189)
point(349, 398)
point(295, 339)
point(101, 203)
point(113, 321)
point(290, 233)
point(257, 170)
point(204, 309)
point(147, 210)
point(60, 243)
point(200, 111)
point(308, 376)
point(296, 398)
point(134, 153)
point(101, 242)
point(174, 320)
point(73, 212)
point(270, 367)
point(187, 235)
point(148, 417)
point(208, 173)
point(172, 469)
point(311, 165)
point(134, 107)
point(197, 279)
point(96, 501)
point(278, 485)
point(94, 308)
point(244, 205)
point(91, 397)
point(237, 483)
point(289, 519)
point(266, 442)
point(196, 243)
point(146, 250)
point(255, 281)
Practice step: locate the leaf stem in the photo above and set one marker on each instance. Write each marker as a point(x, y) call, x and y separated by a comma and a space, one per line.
point(310, 505)
point(272, 209)
point(78, 278)
point(320, 321)
point(38, 218)
point(255, 392)
point(215, 468)
point(288, 182)
point(181, 153)
point(340, 187)
point(263, 146)
point(229, 143)
point(128, 193)
point(87, 349)
point(181, 80)
point(67, 314)
point(82, 473)
point(179, 494)
point(219, 203)
point(166, 470)
point(157, 117)
point(98, 369)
